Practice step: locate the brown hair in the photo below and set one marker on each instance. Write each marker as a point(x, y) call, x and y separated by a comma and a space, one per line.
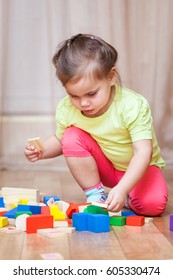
point(74, 57)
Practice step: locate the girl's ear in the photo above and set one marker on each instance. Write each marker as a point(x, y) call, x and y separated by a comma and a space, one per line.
point(112, 76)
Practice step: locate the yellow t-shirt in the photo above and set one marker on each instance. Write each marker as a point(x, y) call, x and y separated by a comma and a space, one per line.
point(128, 119)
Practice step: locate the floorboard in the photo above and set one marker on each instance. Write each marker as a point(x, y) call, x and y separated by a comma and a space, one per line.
point(153, 241)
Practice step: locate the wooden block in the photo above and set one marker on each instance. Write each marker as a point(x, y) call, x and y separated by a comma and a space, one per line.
point(12, 195)
point(37, 143)
point(3, 221)
point(55, 232)
point(21, 222)
point(10, 229)
point(35, 222)
point(56, 213)
point(135, 221)
point(100, 204)
point(117, 221)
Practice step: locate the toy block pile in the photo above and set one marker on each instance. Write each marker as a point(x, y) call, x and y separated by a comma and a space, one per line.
point(23, 210)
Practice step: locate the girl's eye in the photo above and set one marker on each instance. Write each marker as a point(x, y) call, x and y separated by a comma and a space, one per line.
point(92, 94)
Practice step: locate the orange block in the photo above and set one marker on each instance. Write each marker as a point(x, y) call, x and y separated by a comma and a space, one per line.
point(39, 221)
point(135, 221)
point(73, 208)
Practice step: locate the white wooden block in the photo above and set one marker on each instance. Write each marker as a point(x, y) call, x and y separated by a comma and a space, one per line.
point(60, 224)
point(55, 232)
point(11, 221)
point(37, 143)
point(112, 214)
point(10, 229)
point(12, 194)
point(100, 204)
point(81, 208)
point(20, 222)
point(62, 205)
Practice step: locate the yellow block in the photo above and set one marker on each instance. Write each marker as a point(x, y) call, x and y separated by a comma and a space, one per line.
point(3, 221)
point(23, 201)
point(56, 213)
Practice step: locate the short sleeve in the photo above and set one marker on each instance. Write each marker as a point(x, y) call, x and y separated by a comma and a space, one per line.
point(61, 124)
point(138, 120)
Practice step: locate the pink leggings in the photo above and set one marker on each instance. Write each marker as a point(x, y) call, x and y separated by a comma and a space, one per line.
point(149, 197)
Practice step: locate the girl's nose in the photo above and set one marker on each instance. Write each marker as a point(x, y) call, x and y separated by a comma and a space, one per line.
point(84, 102)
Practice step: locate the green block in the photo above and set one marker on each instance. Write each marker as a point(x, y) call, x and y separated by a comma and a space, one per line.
point(18, 213)
point(118, 221)
point(95, 210)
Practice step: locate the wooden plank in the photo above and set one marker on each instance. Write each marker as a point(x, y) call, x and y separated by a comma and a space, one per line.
point(34, 245)
point(11, 245)
point(87, 245)
point(145, 242)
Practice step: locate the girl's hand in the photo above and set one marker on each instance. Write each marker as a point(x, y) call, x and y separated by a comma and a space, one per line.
point(32, 154)
point(116, 199)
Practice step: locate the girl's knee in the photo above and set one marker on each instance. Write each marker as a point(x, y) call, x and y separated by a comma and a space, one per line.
point(149, 207)
point(73, 142)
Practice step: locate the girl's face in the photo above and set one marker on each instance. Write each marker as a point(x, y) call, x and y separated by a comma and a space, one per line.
point(92, 97)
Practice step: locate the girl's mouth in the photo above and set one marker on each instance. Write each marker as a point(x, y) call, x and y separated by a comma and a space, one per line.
point(88, 111)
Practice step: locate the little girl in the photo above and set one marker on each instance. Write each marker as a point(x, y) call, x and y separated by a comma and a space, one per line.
point(104, 130)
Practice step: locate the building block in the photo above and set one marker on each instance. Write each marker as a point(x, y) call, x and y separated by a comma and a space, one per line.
point(62, 205)
point(80, 221)
point(117, 220)
point(73, 208)
point(12, 195)
point(23, 201)
point(63, 223)
point(3, 221)
point(35, 222)
point(45, 210)
point(1, 202)
point(35, 209)
point(98, 223)
point(100, 204)
point(56, 213)
point(48, 197)
point(112, 214)
point(135, 221)
point(95, 210)
point(55, 232)
point(20, 222)
point(127, 213)
point(3, 211)
point(171, 222)
point(37, 143)
point(11, 213)
point(18, 213)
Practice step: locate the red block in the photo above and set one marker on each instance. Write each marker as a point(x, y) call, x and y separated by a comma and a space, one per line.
point(39, 221)
point(45, 210)
point(3, 212)
point(135, 221)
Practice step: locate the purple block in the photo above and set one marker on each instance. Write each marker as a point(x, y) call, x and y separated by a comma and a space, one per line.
point(171, 222)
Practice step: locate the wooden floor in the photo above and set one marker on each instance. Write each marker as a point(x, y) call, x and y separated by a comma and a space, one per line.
point(151, 242)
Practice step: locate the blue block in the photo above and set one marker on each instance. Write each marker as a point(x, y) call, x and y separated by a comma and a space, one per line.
point(98, 223)
point(23, 207)
point(1, 201)
point(127, 213)
point(35, 209)
point(11, 214)
point(80, 221)
point(46, 198)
